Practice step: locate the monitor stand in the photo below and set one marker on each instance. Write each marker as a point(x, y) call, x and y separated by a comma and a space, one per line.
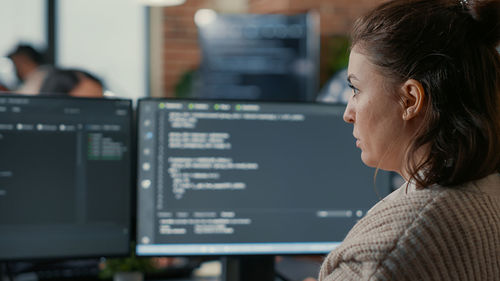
point(4, 272)
point(248, 268)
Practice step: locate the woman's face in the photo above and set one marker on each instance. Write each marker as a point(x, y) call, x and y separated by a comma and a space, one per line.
point(376, 114)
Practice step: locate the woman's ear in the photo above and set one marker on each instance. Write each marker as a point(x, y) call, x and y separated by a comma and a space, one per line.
point(413, 96)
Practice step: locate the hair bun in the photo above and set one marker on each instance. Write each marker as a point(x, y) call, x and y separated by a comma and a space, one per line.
point(487, 14)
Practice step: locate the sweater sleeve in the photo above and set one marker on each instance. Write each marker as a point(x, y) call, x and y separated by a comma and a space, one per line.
point(349, 271)
point(371, 240)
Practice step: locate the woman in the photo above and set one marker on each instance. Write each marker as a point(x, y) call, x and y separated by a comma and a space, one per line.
point(425, 77)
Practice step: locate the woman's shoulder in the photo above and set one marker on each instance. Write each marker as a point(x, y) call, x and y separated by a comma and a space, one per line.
point(409, 208)
point(408, 201)
point(424, 226)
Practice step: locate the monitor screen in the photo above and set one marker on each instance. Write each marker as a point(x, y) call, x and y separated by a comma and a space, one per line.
point(65, 177)
point(258, 57)
point(232, 178)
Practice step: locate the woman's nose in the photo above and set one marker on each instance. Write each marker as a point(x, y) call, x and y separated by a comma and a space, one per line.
point(349, 113)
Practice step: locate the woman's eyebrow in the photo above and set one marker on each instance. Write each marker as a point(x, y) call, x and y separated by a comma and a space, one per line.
point(351, 77)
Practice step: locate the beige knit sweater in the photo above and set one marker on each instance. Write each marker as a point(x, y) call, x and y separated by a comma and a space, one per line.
point(430, 234)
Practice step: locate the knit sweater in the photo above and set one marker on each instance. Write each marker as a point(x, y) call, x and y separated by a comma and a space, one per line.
point(435, 233)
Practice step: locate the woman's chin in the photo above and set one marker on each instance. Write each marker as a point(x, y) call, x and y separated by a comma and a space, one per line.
point(370, 162)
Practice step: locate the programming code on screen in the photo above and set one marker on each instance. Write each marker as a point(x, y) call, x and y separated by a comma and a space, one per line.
point(248, 177)
point(64, 177)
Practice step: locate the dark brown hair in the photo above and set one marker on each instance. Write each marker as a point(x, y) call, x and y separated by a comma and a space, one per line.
point(449, 47)
point(60, 82)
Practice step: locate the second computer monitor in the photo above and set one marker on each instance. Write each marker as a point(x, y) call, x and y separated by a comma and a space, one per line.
point(65, 177)
point(232, 178)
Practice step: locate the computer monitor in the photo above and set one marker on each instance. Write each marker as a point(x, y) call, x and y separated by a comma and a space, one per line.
point(65, 177)
point(271, 57)
point(248, 178)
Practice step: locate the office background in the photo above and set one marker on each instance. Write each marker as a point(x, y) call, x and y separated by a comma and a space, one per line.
point(141, 49)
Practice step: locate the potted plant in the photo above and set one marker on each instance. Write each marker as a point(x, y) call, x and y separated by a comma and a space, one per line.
point(130, 268)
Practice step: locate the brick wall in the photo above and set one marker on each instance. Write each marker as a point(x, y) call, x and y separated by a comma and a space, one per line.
point(181, 52)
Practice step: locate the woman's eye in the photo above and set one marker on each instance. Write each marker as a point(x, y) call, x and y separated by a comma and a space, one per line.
point(355, 90)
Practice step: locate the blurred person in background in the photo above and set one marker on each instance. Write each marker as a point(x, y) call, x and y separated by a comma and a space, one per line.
point(30, 68)
point(336, 89)
point(73, 83)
